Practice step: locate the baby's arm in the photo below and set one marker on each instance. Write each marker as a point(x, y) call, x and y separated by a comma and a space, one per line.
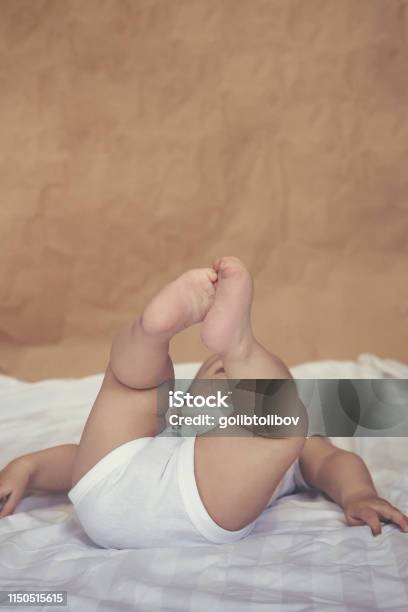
point(344, 477)
point(46, 470)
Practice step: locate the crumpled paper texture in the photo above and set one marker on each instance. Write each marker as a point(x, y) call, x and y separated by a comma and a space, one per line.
point(142, 138)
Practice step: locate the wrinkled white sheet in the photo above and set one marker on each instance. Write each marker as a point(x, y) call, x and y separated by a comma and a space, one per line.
point(300, 557)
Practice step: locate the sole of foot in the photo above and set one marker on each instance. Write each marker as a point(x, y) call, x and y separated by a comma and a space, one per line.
point(227, 326)
point(181, 303)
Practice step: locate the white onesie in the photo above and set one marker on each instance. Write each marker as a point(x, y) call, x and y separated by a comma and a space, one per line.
point(144, 494)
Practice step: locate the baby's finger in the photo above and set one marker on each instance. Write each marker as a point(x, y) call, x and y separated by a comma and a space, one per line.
point(4, 495)
point(9, 505)
point(353, 521)
point(392, 514)
point(370, 517)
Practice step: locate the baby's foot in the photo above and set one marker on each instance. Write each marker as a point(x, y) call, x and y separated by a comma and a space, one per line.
point(227, 324)
point(181, 303)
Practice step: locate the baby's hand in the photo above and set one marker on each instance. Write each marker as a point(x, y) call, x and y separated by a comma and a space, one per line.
point(371, 510)
point(14, 479)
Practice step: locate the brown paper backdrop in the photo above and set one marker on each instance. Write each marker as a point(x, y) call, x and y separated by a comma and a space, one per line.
point(142, 137)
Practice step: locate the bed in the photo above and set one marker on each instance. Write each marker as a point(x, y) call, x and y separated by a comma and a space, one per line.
point(300, 557)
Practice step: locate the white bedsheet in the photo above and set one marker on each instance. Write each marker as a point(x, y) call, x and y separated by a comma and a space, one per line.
point(300, 557)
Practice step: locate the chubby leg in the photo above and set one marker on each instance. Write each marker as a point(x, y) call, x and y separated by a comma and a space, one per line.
point(236, 476)
point(126, 406)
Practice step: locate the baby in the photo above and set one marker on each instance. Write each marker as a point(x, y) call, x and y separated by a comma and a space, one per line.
point(133, 488)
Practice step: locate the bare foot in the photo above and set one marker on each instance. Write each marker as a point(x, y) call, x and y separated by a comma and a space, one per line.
point(181, 303)
point(227, 325)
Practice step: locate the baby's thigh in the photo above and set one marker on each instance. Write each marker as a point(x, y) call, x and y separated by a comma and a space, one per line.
point(237, 476)
point(119, 414)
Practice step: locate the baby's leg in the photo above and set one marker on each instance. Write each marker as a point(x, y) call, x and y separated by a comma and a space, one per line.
point(126, 406)
point(236, 476)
